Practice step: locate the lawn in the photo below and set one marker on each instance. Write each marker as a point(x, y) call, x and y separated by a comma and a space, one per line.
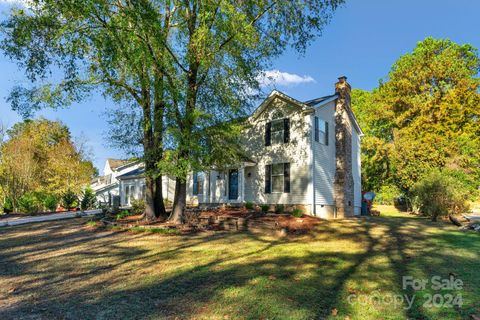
point(64, 270)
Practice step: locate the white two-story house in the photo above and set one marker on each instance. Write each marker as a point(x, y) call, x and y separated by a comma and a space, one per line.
point(302, 154)
point(108, 186)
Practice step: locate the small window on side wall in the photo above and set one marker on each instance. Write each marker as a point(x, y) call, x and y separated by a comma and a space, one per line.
point(321, 131)
point(198, 178)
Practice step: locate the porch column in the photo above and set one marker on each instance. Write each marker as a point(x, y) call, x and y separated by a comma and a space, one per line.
point(242, 183)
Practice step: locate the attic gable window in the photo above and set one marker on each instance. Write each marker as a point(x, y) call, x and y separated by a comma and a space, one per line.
point(321, 131)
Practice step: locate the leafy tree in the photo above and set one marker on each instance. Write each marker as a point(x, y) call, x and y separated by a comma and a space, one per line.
point(432, 95)
point(425, 115)
point(189, 65)
point(39, 157)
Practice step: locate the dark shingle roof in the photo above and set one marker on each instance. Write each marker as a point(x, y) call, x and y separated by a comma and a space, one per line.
point(133, 173)
point(316, 101)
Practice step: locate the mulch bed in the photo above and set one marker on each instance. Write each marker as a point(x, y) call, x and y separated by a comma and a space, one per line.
point(286, 222)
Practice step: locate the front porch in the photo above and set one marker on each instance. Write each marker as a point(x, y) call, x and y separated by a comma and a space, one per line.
point(219, 187)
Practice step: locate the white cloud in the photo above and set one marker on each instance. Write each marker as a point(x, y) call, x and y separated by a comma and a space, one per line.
point(277, 77)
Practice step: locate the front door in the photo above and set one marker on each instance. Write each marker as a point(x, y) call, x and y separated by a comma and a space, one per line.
point(233, 184)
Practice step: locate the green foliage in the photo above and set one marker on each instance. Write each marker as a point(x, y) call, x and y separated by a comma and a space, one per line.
point(40, 157)
point(249, 205)
point(387, 194)
point(438, 194)
point(69, 200)
point(123, 214)
point(92, 223)
point(424, 115)
point(166, 231)
point(190, 67)
point(167, 203)
point(88, 199)
point(138, 206)
point(29, 203)
point(279, 208)
point(264, 208)
point(297, 212)
point(50, 202)
point(7, 205)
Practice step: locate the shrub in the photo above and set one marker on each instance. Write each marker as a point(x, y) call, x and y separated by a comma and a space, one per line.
point(297, 212)
point(249, 205)
point(138, 206)
point(439, 194)
point(28, 203)
point(69, 200)
point(88, 199)
point(50, 202)
point(123, 214)
point(167, 203)
point(387, 195)
point(279, 208)
point(264, 208)
point(7, 205)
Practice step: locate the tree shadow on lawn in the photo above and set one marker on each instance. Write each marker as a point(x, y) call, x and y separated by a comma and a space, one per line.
point(268, 280)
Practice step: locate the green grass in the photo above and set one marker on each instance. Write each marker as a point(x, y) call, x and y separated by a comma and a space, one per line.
point(60, 270)
point(155, 230)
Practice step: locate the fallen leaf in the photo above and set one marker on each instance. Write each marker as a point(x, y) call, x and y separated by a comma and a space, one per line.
point(272, 278)
point(12, 290)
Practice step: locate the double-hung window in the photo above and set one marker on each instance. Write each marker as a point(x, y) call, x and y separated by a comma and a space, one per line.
point(277, 132)
point(321, 131)
point(277, 178)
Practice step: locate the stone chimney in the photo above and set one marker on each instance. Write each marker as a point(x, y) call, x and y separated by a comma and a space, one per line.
point(343, 181)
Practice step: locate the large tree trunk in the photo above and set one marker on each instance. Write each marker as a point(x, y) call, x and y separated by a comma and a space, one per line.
point(149, 198)
point(179, 202)
point(158, 128)
point(158, 198)
point(148, 156)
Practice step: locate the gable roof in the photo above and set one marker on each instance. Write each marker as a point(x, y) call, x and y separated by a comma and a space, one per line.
point(137, 173)
point(277, 94)
point(318, 101)
point(115, 163)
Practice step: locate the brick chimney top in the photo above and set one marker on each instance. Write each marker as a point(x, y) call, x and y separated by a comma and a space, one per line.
point(342, 87)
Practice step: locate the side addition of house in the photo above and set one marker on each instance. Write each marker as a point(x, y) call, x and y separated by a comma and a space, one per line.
point(301, 154)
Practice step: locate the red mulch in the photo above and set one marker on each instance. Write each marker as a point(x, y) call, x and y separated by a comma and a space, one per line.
point(287, 221)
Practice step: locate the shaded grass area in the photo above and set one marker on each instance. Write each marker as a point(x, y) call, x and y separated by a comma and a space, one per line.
point(62, 270)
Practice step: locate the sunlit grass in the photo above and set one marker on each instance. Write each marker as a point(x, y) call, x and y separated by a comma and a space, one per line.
point(61, 270)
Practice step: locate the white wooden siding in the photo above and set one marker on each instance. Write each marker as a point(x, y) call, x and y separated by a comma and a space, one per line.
point(324, 157)
point(356, 170)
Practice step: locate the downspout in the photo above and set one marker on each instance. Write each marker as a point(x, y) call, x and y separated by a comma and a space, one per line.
point(312, 150)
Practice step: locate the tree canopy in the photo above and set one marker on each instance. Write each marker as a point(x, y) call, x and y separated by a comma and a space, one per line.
point(190, 65)
point(39, 156)
point(424, 115)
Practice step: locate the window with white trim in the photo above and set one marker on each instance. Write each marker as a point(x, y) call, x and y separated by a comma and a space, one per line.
point(198, 179)
point(321, 131)
point(277, 131)
point(277, 177)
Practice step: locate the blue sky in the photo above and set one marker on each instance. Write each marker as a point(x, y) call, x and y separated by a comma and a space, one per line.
point(362, 41)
